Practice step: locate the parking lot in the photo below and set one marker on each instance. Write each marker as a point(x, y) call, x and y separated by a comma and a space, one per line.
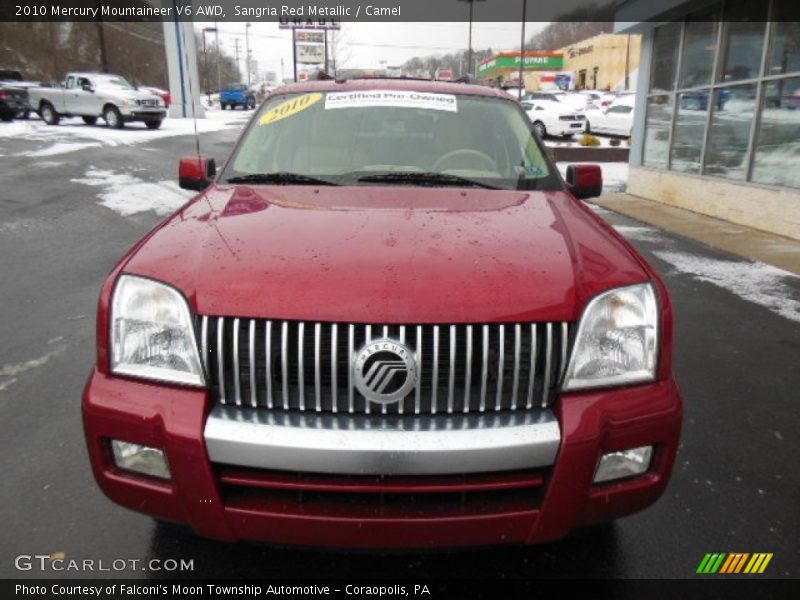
point(75, 198)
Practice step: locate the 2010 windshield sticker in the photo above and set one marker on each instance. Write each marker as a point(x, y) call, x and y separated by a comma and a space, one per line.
point(391, 98)
point(289, 108)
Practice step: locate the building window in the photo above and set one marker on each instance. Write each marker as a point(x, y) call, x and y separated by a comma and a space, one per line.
point(777, 151)
point(729, 137)
point(690, 127)
point(724, 97)
point(742, 39)
point(785, 55)
point(656, 143)
point(699, 46)
point(665, 57)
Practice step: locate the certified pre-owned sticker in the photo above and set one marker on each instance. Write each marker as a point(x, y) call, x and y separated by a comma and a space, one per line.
point(392, 98)
point(289, 108)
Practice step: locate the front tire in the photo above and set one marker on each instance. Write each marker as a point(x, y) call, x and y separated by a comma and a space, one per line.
point(89, 120)
point(113, 117)
point(223, 106)
point(153, 124)
point(540, 129)
point(49, 114)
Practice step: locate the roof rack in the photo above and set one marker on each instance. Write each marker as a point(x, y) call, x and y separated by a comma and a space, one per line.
point(395, 78)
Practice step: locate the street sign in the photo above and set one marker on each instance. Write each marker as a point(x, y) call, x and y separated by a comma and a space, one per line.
point(310, 54)
point(315, 37)
point(309, 24)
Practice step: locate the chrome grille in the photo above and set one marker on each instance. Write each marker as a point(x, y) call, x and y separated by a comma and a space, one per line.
point(299, 366)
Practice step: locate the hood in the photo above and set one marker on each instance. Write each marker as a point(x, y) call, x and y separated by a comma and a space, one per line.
point(129, 94)
point(386, 254)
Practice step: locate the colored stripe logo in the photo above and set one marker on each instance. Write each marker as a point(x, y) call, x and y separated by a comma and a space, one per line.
point(733, 563)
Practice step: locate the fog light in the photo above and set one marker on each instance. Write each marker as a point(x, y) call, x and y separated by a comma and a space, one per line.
point(140, 459)
point(626, 463)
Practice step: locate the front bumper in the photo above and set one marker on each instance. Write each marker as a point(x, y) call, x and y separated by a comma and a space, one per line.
point(140, 114)
point(528, 505)
point(568, 128)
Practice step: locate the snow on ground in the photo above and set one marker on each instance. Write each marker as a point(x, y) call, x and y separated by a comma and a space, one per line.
point(753, 281)
point(72, 134)
point(615, 175)
point(128, 195)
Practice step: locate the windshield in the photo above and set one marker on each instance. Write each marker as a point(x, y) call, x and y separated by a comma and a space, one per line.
point(391, 137)
point(114, 81)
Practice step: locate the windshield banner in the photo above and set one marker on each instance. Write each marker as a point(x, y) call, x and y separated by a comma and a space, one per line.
point(391, 98)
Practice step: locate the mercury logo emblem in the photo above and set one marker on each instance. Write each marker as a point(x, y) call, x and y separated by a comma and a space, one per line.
point(385, 371)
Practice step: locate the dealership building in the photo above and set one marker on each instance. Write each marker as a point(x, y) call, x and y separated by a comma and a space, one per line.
point(717, 118)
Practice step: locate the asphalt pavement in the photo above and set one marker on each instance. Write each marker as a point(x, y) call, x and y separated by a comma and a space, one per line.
point(736, 486)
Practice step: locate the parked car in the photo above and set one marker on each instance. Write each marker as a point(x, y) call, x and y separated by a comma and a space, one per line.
point(163, 94)
point(597, 98)
point(10, 75)
point(699, 100)
point(13, 102)
point(93, 95)
point(237, 95)
point(386, 322)
point(553, 118)
point(616, 119)
point(14, 95)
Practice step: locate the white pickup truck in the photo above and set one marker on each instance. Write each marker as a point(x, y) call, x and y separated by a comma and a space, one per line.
point(93, 95)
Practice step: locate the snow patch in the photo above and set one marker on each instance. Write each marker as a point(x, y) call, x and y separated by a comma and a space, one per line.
point(72, 134)
point(640, 234)
point(128, 195)
point(60, 148)
point(752, 281)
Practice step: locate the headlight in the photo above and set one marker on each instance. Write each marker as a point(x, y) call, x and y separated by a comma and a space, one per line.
point(152, 334)
point(617, 340)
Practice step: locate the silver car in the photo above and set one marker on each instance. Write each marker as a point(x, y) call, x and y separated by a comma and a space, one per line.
point(93, 95)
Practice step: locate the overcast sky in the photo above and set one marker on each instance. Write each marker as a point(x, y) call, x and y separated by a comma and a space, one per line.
point(368, 45)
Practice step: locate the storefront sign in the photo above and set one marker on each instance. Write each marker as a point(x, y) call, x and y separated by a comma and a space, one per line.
point(497, 65)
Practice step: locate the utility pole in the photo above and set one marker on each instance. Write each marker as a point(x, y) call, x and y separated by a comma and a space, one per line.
point(247, 50)
point(469, 42)
point(207, 75)
point(522, 50)
point(294, 53)
point(326, 50)
point(236, 52)
point(627, 60)
point(216, 41)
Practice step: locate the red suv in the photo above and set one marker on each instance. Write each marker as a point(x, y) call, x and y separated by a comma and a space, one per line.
point(386, 322)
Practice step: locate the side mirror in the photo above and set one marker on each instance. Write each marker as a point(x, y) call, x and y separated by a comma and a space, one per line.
point(87, 87)
point(196, 172)
point(585, 181)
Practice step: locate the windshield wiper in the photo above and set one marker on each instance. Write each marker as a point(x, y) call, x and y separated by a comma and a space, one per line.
point(428, 178)
point(280, 178)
